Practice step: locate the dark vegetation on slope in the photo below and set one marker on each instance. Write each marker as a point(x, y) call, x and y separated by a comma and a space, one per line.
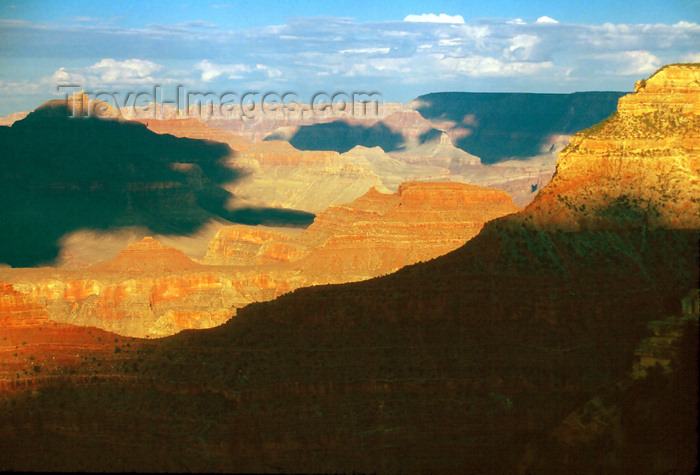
point(59, 174)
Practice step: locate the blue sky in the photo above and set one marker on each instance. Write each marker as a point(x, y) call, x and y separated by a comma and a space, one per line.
point(400, 49)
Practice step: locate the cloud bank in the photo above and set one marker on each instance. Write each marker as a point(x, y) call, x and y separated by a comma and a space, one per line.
point(399, 59)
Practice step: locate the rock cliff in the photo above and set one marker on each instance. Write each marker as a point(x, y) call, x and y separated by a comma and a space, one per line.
point(151, 290)
point(148, 290)
point(466, 363)
point(639, 167)
point(32, 345)
point(280, 175)
point(195, 129)
point(380, 233)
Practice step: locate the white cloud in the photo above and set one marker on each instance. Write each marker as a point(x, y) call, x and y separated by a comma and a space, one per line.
point(687, 25)
point(211, 71)
point(131, 71)
point(433, 18)
point(450, 42)
point(307, 54)
point(546, 19)
point(61, 76)
point(521, 47)
point(638, 63)
point(18, 88)
point(484, 66)
point(269, 72)
point(365, 50)
point(691, 58)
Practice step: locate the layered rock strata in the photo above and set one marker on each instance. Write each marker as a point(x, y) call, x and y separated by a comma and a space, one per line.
point(151, 290)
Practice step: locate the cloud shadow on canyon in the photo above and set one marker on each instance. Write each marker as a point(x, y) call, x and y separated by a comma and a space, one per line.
point(501, 126)
point(59, 174)
point(341, 137)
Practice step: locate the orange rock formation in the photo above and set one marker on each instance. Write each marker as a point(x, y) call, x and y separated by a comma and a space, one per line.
point(153, 290)
point(30, 343)
point(380, 233)
point(638, 167)
point(195, 129)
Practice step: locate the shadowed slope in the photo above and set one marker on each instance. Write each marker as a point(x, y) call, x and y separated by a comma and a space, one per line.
point(498, 126)
point(59, 174)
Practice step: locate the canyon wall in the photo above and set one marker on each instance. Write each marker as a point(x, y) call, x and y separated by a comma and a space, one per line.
point(466, 363)
point(151, 290)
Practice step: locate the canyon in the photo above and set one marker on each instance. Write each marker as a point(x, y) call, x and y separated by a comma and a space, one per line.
point(152, 290)
point(477, 360)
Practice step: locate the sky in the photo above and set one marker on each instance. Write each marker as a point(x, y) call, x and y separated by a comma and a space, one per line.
point(398, 49)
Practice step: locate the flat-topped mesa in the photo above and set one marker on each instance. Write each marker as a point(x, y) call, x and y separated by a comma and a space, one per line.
point(447, 195)
point(148, 256)
point(638, 168)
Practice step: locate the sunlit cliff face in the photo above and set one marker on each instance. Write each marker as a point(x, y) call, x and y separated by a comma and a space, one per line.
point(641, 166)
point(150, 289)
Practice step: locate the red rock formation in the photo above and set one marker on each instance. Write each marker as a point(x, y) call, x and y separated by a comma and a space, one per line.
point(380, 233)
point(195, 129)
point(31, 344)
point(463, 364)
point(16, 310)
point(246, 245)
point(149, 257)
point(273, 153)
point(373, 235)
point(150, 289)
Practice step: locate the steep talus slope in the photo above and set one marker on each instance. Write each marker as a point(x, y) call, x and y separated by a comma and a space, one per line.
point(33, 347)
point(465, 363)
point(645, 161)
